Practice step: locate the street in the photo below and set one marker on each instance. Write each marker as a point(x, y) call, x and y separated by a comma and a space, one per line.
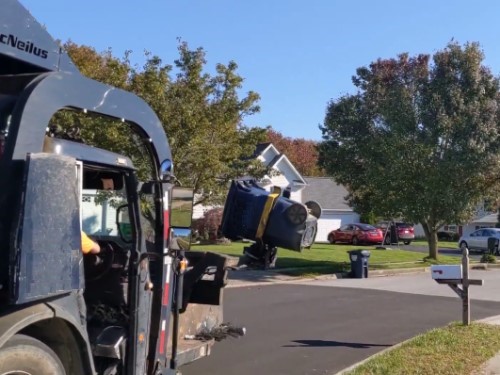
point(324, 326)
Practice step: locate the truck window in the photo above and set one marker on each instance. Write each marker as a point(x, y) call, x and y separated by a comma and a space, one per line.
point(99, 204)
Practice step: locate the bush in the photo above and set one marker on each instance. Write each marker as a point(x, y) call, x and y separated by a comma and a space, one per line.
point(223, 241)
point(447, 236)
point(488, 258)
point(208, 226)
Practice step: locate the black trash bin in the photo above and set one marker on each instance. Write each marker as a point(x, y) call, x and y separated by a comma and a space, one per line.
point(359, 263)
point(493, 245)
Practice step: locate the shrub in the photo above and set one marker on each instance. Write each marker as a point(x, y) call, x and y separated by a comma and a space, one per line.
point(223, 241)
point(488, 258)
point(208, 226)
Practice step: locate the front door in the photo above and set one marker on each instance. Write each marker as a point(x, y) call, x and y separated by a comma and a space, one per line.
point(45, 259)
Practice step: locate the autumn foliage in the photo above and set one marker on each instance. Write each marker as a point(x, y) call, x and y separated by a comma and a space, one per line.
point(208, 226)
point(302, 153)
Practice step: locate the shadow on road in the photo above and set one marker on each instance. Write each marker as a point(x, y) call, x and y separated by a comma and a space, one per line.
point(329, 343)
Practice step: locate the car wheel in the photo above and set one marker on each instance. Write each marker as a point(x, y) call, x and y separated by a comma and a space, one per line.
point(387, 240)
point(463, 245)
point(355, 241)
point(407, 242)
point(331, 239)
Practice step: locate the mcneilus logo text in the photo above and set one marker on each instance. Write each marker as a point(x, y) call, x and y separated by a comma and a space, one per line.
point(29, 47)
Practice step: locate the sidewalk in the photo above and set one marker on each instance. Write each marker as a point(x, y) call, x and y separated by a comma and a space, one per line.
point(491, 367)
point(251, 277)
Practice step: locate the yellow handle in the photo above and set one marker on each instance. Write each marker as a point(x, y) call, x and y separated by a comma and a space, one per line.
point(271, 200)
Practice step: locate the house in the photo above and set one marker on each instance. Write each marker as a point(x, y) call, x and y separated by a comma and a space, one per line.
point(285, 175)
point(483, 219)
point(487, 221)
point(335, 210)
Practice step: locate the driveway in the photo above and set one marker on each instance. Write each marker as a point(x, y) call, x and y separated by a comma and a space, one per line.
point(322, 327)
point(443, 250)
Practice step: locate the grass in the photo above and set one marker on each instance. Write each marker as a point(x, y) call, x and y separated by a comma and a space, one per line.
point(452, 350)
point(326, 258)
point(446, 244)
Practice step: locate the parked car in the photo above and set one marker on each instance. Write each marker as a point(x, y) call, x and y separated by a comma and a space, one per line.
point(478, 240)
point(406, 231)
point(355, 234)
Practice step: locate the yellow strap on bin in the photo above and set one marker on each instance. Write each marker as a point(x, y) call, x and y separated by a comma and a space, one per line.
point(271, 200)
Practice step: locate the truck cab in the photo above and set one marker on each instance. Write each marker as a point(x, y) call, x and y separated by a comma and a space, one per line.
point(140, 305)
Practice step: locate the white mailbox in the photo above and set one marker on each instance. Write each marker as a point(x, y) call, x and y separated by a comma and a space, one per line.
point(452, 272)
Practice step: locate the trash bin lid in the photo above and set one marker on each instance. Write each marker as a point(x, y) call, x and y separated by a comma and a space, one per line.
point(360, 252)
point(365, 253)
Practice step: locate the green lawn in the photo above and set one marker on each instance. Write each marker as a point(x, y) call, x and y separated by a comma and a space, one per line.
point(446, 244)
point(452, 350)
point(326, 258)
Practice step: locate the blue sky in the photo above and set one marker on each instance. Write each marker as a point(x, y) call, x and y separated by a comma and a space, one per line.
point(298, 55)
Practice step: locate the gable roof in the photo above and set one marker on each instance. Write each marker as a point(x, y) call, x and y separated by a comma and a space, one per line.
point(488, 219)
point(263, 147)
point(325, 191)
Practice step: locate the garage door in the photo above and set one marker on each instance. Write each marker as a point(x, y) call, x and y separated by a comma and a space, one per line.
point(330, 221)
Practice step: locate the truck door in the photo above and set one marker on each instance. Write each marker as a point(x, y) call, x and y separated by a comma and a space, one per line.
point(45, 256)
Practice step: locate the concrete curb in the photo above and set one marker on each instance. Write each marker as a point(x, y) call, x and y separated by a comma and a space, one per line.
point(360, 363)
point(275, 276)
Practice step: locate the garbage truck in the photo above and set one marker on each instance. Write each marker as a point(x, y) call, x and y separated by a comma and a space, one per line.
point(145, 304)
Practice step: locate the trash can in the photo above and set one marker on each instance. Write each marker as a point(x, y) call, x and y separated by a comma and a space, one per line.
point(359, 263)
point(493, 245)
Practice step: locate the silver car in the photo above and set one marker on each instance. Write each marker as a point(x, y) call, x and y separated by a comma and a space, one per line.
point(478, 240)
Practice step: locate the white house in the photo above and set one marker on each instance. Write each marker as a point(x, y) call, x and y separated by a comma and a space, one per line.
point(286, 175)
point(335, 210)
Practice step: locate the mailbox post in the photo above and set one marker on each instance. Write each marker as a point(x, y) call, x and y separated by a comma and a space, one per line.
point(453, 276)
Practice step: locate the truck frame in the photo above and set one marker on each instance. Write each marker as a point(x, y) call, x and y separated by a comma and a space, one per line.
point(146, 305)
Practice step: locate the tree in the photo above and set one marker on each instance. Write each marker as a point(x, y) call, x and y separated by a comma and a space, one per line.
point(208, 226)
point(202, 115)
point(302, 153)
point(420, 139)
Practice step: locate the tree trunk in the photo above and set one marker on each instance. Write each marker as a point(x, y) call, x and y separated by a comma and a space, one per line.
point(432, 240)
point(433, 244)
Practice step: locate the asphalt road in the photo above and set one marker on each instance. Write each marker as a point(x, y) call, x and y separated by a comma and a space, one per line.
point(323, 327)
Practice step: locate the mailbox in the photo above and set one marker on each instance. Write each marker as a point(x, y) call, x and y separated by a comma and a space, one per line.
point(448, 272)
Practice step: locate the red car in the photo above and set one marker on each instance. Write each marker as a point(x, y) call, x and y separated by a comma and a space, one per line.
point(406, 232)
point(355, 234)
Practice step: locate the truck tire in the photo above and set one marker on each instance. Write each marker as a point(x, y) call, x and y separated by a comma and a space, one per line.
point(24, 355)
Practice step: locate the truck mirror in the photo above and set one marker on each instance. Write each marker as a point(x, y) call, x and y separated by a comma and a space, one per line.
point(181, 238)
point(166, 169)
point(123, 223)
point(182, 207)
